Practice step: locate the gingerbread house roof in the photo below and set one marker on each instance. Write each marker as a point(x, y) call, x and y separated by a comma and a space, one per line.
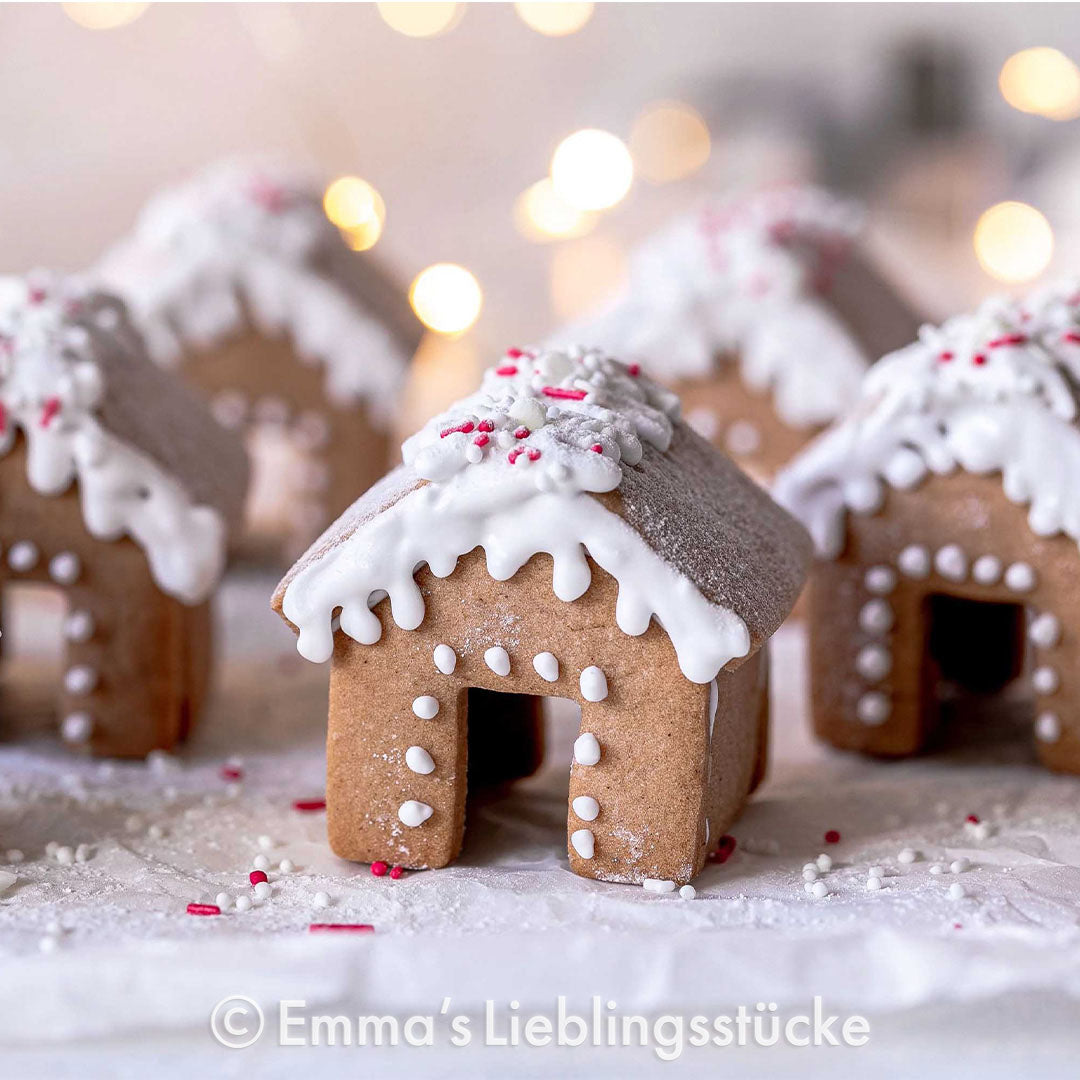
point(149, 460)
point(243, 244)
point(569, 453)
point(777, 281)
point(995, 391)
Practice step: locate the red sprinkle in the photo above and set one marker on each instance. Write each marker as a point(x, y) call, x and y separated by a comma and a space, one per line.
point(945, 357)
point(522, 432)
point(562, 392)
point(1072, 336)
point(1008, 339)
point(464, 428)
point(633, 369)
point(378, 868)
point(514, 454)
point(533, 454)
point(972, 819)
point(256, 876)
point(515, 353)
point(958, 926)
point(486, 425)
point(36, 296)
point(267, 195)
point(395, 872)
point(481, 440)
point(341, 928)
point(308, 806)
point(49, 410)
point(506, 369)
point(232, 772)
point(203, 909)
point(724, 849)
point(979, 359)
point(832, 837)
point(596, 448)
point(3, 418)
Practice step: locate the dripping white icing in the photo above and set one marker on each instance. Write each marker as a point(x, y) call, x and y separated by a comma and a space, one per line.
point(509, 470)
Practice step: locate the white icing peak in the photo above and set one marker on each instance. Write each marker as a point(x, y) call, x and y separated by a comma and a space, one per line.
point(991, 391)
point(51, 385)
point(241, 240)
point(745, 279)
point(510, 469)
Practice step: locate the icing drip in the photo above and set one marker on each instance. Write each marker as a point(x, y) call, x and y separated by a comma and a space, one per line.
point(509, 470)
point(745, 279)
point(50, 389)
point(992, 391)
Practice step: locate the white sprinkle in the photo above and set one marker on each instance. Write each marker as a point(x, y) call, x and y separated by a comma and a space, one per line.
point(593, 683)
point(65, 856)
point(419, 760)
point(1044, 680)
point(914, 561)
point(547, 666)
point(155, 832)
point(583, 843)
point(957, 891)
point(873, 708)
point(586, 749)
point(497, 657)
point(1020, 577)
point(658, 885)
point(807, 887)
point(907, 855)
point(824, 862)
point(321, 900)
point(243, 903)
point(936, 869)
point(1048, 727)
point(413, 813)
point(48, 944)
point(286, 866)
point(873, 884)
point(260, 862)
point(875, 871)
point(959, 866)
point(51, 849)
point(133, 823)
point(76, 727)
point(743, 437)
point(262, 890)
point(810, 866)
point(425, 707)
point(880, 580)
point(951, 562)
point(14, 856)
point(445, 659)
point(65, 568)
point(1045, 630)
point(987, 570)
point(223, 900)
point(981, 830)
point(586, 807)
point(23, 556)
point(688, 892)
point(819, 890)
point(810, 874)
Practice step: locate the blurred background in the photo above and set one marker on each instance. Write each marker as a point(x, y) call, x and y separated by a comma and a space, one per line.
point(531, 145)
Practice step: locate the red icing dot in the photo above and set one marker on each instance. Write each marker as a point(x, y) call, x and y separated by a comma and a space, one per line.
point(596, 448)
point(395, 872)
point(379, 868)
point(832, 837)
point(979, 359)
point(522, 432)
point(485, 425)
point(481, 440)
point(231, 772)
point(36, 296)
point(633, 369)
point(506, 369)
point(515, 353)
point(49, 411)
point(972, 819)
point(945, 357)
point(256, 876)
point(533, 454)
point(1072, 336)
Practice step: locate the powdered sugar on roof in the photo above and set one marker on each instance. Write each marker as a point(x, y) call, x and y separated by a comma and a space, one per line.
point(992, 391)
point(510, 469)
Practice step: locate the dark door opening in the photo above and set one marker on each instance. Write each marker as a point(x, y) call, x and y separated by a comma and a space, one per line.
point(976, 645)
point(506, 737)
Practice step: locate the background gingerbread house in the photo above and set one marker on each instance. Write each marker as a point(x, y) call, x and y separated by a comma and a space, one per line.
point(932, 580)
point(762, 313)
point(238, 280)
point(119, 488)
point(575, 539)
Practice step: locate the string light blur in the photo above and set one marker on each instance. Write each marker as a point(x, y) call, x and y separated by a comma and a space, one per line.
point(592, 169)
point(669, 141)
point(541, 214)
point(446, 298)
point(103, 16)
point(1013, 242)
point(1042, 81)
point(555, 19)
point(357, 209)
point(584, 274)
point(421, 19)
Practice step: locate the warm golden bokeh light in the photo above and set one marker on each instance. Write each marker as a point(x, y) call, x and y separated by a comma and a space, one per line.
point(1043, 81)
point(421, 19)
point(584, 274)
point(592, 169)
point(446, 298)
point(555, 19)
point(357, 209)
point(669, 141)
point(1013, 242)
point(103, 16)
point(540, 214)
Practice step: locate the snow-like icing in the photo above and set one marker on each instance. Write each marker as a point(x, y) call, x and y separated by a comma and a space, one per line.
point(992, 391)
point(510, 469)
point(240, 242)
point(50, 387)
point(744, 280)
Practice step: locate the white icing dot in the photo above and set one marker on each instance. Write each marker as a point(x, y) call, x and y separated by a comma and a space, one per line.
point(951, 562)
point(904, 469)
point(1045, 630)
point(243, 903)
point(688, 892)
point(960, 866)
point(65, 568)
point(593, 683)
point(863, 496)
point(704, 421)
point(914, 561)
point(873, 884)
point(65, 855)
point(23, 556)
point(223, 900)
point(265, 842)
point(445, 659)
point(319, 900)
point(586, 749)
point(1045, 680)
point(873, 708)
point(498, 660)
point(957, 891)
point(819, 890)
point(260, 862)
point(810, 873)
point(413, 813)
point(876, 617)
point(743, 437)
point(658, 885)
point(426, 707)
point(473, 454)
point(547, 666)
point(286, 866)
point(875, 871)
point(583, 843)
point(824, 862)
point(586, 807)
point(880, 580)
point(80, 679)
point(262, 890)
point(873, 662)
point(987, 570)
point(419, 760)
point(1020, 577)
point(907, 856)
point(937, 869)
point(76, 727)
point(1047, 727)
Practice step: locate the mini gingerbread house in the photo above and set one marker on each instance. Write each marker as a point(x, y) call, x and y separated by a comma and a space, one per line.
point(762, 314)
point(119, 488)
point(238, 280)
point(932, 582)
point(560, 532)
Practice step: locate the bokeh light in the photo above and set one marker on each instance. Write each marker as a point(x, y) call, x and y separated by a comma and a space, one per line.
point(357, 209)
point(555, 19)
point(669, 141)
point(592, 169)
point(421, 19)
point(1013, 242)
point(446, 298)
point(103, 16)
point(584, 274)
point(1043, 81)
point(541, 214)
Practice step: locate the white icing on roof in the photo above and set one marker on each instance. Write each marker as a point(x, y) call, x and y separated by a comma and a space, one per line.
point(510, 469)
point(744, 280)
point(52, 384)
point(992, 391)
point(240, 241)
